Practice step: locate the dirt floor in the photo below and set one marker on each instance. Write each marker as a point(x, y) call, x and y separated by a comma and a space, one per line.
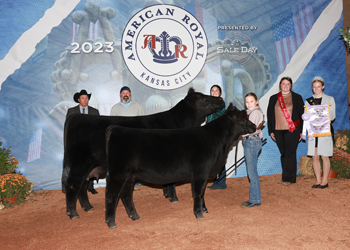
point(290, 217)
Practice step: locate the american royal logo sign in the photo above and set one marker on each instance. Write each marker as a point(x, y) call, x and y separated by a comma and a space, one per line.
point(164, 47)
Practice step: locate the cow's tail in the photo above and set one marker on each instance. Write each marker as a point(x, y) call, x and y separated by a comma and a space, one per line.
point(108, 135)
point(65, 174)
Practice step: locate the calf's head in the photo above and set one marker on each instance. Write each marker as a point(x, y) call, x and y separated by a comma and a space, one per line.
point(201, 104)
point(242, 125)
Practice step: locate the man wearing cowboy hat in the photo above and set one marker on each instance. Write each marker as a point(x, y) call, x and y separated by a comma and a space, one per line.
point(83, 98)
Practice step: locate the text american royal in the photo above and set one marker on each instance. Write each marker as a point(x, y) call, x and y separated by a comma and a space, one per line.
point(192, 57)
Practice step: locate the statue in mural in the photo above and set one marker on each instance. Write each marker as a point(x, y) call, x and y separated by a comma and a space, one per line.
point(68, 70)
point(240, 62)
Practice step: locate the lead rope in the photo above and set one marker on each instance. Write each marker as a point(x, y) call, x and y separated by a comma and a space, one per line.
point(235, 166)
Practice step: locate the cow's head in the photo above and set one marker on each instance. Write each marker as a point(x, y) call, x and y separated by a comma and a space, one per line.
point(202, 105)
point(242, 125)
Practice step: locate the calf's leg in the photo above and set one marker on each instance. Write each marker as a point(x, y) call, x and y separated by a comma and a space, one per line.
point(127, 199)
point(114, 188)
point(84, 199)
point(91, 188)
point(72, 191)
point(204, 209)
point(198, 188)
point(169, 192)
point(76, 186)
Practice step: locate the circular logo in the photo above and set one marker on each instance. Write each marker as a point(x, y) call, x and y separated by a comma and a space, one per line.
point(238, 48)
point(164, 46)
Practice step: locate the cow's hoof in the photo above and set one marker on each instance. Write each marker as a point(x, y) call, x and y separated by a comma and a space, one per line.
point(73, 217)
point(135, 217)
point(111, 225)
point(205, 210)
point(89, 210)
point(174, 200)
point(199, 216)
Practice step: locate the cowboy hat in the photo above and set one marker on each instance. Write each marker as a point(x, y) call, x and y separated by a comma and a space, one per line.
point(78, 94)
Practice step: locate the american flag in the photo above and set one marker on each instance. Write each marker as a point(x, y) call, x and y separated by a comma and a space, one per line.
point(35, 145)
point(94, 30)
point(289, 29)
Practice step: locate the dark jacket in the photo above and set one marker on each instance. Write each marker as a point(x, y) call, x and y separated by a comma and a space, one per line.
point(91, 111)
point(298, 111)
point(217, 113)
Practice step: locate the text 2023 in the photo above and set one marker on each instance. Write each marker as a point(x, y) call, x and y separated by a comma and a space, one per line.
point(87, 48)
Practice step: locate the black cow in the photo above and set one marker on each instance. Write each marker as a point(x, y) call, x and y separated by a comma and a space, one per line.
point(85, 150)
point(168, 156)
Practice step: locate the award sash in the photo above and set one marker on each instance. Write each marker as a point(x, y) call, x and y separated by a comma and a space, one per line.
point(291, 124)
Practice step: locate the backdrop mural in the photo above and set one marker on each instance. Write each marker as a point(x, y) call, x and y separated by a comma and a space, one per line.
point(250, 46)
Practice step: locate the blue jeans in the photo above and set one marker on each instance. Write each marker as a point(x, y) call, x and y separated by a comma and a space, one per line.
point(221, 184)
point(252, 147)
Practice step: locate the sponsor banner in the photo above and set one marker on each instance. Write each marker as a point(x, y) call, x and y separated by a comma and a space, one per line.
point(59, 47)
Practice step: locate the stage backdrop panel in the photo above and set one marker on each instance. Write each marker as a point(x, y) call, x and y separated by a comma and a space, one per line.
point(251, 45)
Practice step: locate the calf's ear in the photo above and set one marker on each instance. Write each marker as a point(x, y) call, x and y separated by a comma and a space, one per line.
point(242, 114)
point(230, 107)
point(190, 90)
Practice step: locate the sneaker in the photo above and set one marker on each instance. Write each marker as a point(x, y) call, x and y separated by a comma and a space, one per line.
point(249, 204)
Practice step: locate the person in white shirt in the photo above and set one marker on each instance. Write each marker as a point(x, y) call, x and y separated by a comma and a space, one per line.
point(126, 107)
point(320, 146)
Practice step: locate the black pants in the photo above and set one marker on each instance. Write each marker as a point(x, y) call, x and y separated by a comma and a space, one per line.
point(287, 143)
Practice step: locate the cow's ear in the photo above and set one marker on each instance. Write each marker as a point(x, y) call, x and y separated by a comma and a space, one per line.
point(230, 107)
point(242, 114)
point(191, 90)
